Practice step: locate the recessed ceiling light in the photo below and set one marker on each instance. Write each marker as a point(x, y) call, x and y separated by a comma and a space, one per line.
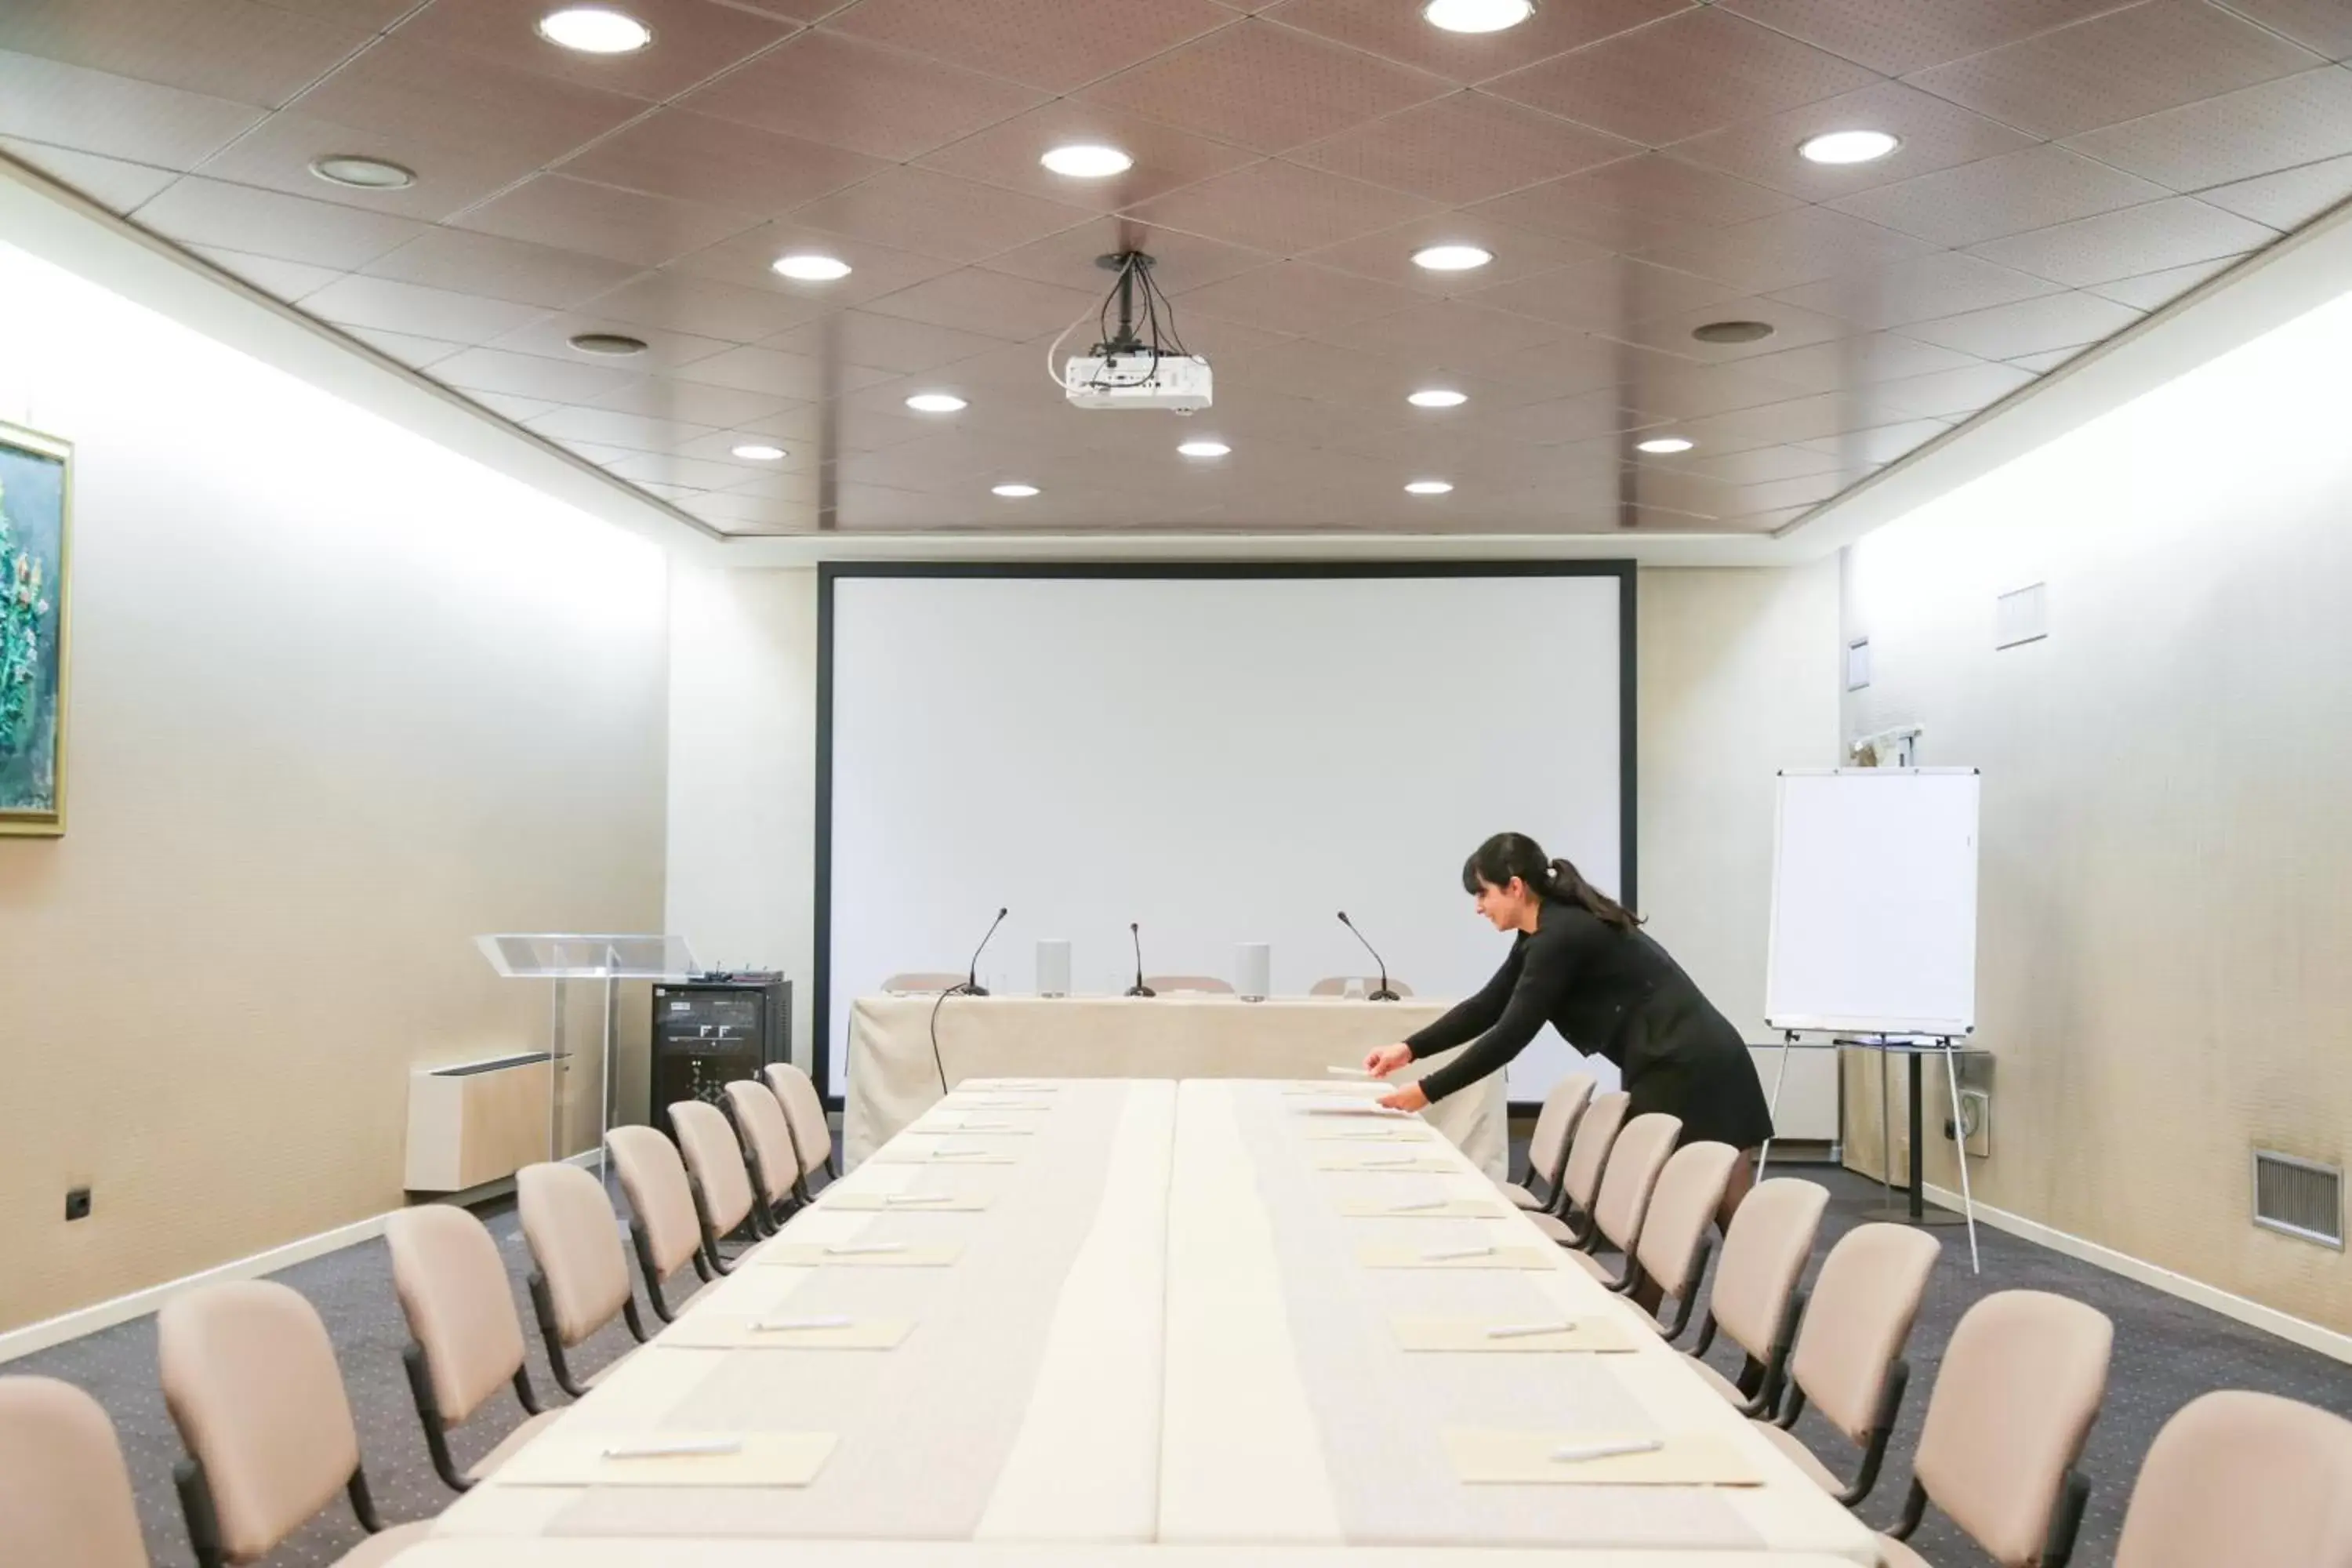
point(1437, 397)
point(1428, 488)
point(1848, 146)
point(1733, 331)
point(936, 403)
point(363, 174)
point(1088, 161)
point(1663, 444)
point(1014, 492)
point(1204, 448)
point(1476, 15)
point(810, 267)
point(595, 30)
point(1451, 258)
point(614, 345)
point(759, 453)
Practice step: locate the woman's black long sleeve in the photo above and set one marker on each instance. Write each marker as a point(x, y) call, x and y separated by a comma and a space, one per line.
point(1519, 1000)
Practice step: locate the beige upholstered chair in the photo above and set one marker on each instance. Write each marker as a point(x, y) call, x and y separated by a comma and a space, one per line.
point(663, 1229)
point(1205, 984)
point(1635, 1160)
point(1673, 1251)
point(915, 985)
point(1337, 985)
point(1588, 1161)
point(65, 1492)
point(579, 1279)
point(1755, 1300)
point(805, 1111)
point(1848, 1357)
point(2244, 1478)
point(715, 1175)
point(251, 1382)
point(767, 1139)
point(2020, 1385)
point(464, 1338)
point(1563, 1107)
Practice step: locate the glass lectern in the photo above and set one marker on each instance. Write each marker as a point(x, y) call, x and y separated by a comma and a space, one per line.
point(564, 957)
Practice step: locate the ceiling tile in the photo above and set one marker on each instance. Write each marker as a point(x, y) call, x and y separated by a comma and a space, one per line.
point(1839, 419)
point(2322, 24)
point(2032, 326)
point(1693, 392)
point(1953, 394)
point(1794, 327)
point(604, 220)
point(1008, 153)
point(1787, 249)
point(2129, 63)
point(1857, 362)
point(1581, 364)
point(1446, 333)
point(747, 261)
point(1266, 87)
point(2126, 244)
point(268, 222)
point(552, 336)
point(1942, 284)
point(2255, 131)
point(2043, 364)
point(994, 304)
point(693, 39)
point(607, 428)
point(225, 49)
point(423, 312)
point(1398, 32)
point(2288, 199)
point(2000, 195)
point(1386, 255)
point(1682, 77)
point(888, 344)
point(373, 14)
point(1761, 465)
point(694, 305)
point(1879, 444)
point(1044, 43)
point(1180, 260)
point(1635, 202)
point(720, 164)
point(274, 276)
point(2154, 291)
point(469, 263)
point(1464, 148)
point(111, 183)
point(1898, 36)
point(704, 463)
point(90, 111)
point(404, 89)
point(1296, 297)
point(690, 402)
point(1282, 208)
point(1935, 135)
point(938, 214)
point(528, 375)
point(826, 88)
point(277, 155)
point(418, 353)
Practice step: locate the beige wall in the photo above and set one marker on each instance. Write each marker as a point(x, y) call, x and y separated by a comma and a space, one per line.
point(342, 701)
point(2165, 971)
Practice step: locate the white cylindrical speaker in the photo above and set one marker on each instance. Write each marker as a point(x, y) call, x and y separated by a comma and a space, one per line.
point(1254, 971)
point(1053, 966)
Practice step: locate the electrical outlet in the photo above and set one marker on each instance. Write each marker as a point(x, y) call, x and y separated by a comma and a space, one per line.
point(1976, 1116)
point(77, 1203)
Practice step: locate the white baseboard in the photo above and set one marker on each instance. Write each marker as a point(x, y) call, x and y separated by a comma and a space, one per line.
point(2253, 1314)
point(73, 1325)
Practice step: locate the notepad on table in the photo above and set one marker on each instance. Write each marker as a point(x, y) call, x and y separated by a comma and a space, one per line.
point(907, 1155)
point(906, 1203)
point(709, 1331)
point(561, 1458)
point(1390, 1255)
point(1508, 1336)
point(1485, 1456)
point(1372, 1163)
point(855, 1255)
point(1422, 1208)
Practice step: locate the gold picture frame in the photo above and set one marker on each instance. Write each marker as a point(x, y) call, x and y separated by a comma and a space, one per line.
point(36, 629)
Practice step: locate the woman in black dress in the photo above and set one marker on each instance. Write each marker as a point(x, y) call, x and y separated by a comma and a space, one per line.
point(1582, 964)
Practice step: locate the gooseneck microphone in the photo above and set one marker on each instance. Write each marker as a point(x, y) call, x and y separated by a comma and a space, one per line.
point(1134, 929)
point(970, 987)
point(1384, 993)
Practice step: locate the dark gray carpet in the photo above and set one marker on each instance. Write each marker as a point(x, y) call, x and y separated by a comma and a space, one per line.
point(2166, 1352)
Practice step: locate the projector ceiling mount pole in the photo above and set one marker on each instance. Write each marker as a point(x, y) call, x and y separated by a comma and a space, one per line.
point(1129, 265)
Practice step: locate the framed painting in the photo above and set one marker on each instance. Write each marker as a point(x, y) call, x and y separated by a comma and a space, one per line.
point(35, 525)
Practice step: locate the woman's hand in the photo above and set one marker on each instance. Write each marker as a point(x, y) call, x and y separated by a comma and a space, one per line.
point(1411, 1097)
point(1386, 1059)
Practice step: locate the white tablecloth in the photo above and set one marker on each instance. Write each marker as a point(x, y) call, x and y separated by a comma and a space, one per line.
point(893, 1078)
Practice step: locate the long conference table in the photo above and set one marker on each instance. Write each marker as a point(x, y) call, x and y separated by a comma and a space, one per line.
point(1207, 1323)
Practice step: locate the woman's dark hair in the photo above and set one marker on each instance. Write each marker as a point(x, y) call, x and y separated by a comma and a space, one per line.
point(1508, 855)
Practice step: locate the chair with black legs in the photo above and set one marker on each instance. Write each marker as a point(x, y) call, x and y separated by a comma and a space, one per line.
point(464, 1336)
point(1547, 1144)
point(579, 1277)
point(1755, 1301)
point(663, 1228)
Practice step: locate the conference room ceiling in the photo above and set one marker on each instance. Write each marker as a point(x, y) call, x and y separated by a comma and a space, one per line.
point(2064, 166)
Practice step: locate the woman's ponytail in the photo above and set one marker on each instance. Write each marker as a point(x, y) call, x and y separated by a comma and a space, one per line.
point(1508, 855)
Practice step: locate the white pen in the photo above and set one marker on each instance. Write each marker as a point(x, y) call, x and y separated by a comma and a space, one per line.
point(845, 1247)
point(788, 1325)
point(1607, 1450)
point(1524, 1331)
point(1419, 1207)
point(1347, 1072)
point(977, 1127)
point(897, 1199)
point(680, 1449)
point(1451, 1253)
point(1387, 1160)
point(957, 1153)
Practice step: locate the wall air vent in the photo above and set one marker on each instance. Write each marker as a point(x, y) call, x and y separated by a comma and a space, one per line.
point(2299, 1197)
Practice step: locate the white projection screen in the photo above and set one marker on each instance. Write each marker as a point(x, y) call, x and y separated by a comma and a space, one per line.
point(1225, 754)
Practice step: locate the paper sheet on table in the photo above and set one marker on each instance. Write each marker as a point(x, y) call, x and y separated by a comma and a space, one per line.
point(1387, 1255)
point(905, 1156)
point(559, 1459)
point(818, 1255)
point(708, 1330)
point(1376, 1163)
point(902, 1203)
point(1594, 1335)
point(1378, 1132)
point(1487, 1456)
point(1409, 1208)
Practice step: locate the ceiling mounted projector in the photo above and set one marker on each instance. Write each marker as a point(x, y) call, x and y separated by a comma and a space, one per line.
point(1143, 364)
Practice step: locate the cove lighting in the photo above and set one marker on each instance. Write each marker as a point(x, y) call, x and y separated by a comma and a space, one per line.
point(1451, 258)
point(1204, 448)
point(595, 30)
point(1848, 146)
point(1437, 397)
point(1476, 15)
point(936, 403)
point(758, 452)
point(1014, 492)
point(1428, 488)
point(1663, 444)
point(1088, 161)
point(809, 267)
